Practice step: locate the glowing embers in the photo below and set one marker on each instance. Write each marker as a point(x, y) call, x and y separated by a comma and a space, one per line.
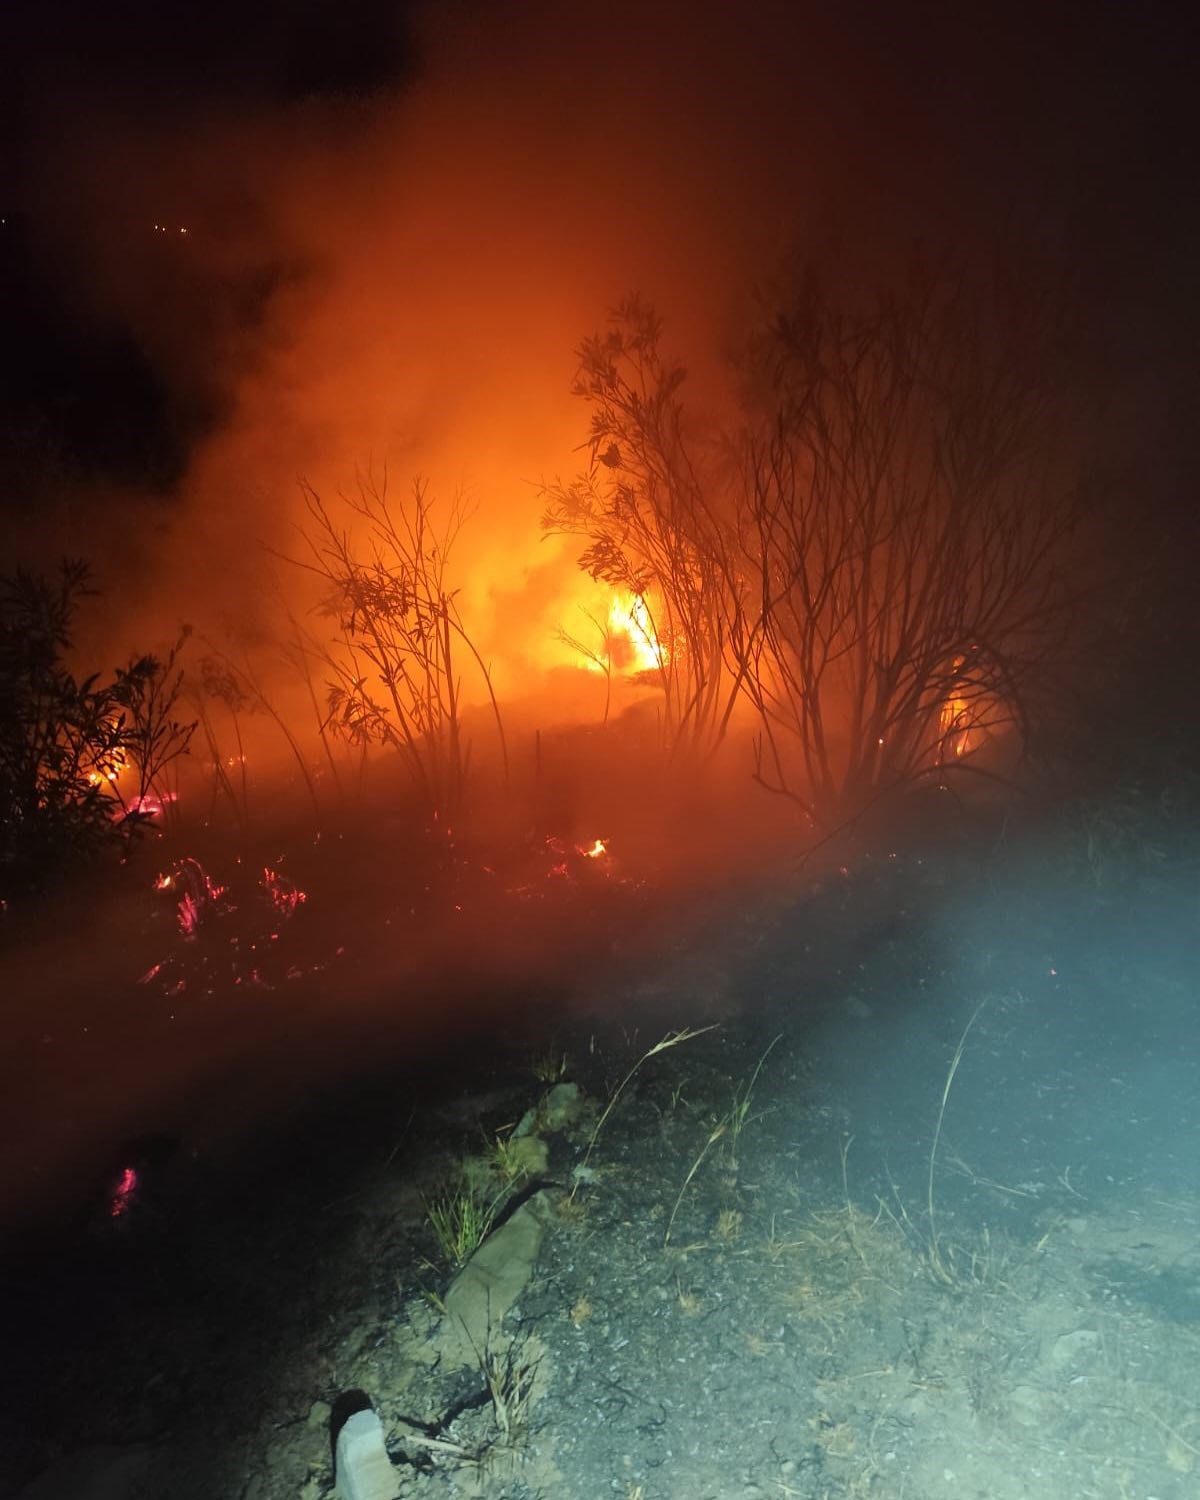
point(284, 894)
point(221, 942)
point(199, 895)
point(562, 866)
point(565, 857)
point(123, 1193)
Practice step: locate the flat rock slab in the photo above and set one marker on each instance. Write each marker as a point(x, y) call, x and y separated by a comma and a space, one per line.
point(491, 1281)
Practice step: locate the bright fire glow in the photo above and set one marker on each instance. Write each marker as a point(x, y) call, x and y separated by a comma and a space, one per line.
point(598, 848)
point(607, 633)
point(633, 644)
point(110, 770)
point(954, 720)
point(954, 726)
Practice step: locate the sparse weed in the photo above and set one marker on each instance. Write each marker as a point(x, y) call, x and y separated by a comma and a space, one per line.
point(738, 1116)
point(510, 1377)
point(715, 1135)
point(729, 1128)
point(510, 1380)
point(672, 1039)
point(690, 1302)
point(943, 1270)
point(435, 1300)
point(728, 1227)
point(572, 1210)
point(505, 1157)
point(461, 1220)
point(549, 1067)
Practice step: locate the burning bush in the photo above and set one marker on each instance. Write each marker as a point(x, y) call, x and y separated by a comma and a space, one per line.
point(650, 521)
point(80, 761)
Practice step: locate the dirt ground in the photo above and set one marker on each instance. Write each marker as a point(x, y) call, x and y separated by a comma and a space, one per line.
point(882, 1184)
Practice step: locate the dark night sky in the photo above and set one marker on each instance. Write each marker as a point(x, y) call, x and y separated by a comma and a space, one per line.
point(77, 385)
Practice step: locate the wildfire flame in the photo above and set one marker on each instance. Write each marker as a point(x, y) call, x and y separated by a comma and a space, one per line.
point(955, 718)
point(633, 644)
point(109, 770)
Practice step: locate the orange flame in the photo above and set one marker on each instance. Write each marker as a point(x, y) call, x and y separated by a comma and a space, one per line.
point(955, 718)
point(634, 645)
point(110, 770)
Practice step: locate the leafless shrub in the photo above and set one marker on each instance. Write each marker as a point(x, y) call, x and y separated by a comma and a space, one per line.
point(600, 655)
point(239, 685)
point(395, 658)
point(219, 683)
point(901, 521)
point(875, 564)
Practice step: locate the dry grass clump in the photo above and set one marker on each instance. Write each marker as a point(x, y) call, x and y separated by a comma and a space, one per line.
point(510, 1375)
point(461, 1219)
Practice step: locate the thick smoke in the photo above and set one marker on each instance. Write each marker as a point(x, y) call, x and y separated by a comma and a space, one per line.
point(397, 281)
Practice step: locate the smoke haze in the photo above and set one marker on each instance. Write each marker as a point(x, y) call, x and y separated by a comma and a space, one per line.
point(394, 277)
